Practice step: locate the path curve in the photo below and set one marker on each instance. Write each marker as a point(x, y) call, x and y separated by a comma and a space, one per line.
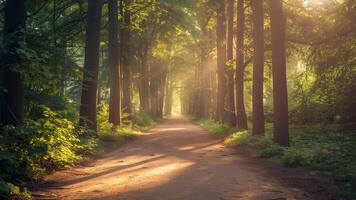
point(178, 160)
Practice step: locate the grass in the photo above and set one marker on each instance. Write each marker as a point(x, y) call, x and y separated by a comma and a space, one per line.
point(324, 148)
point(215, 128)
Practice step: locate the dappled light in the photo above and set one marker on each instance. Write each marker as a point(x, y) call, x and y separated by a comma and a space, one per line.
point(177, 99)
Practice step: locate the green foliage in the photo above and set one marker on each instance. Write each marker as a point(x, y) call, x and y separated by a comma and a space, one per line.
point(53, 142)
point(108, 132)
point(48, 143)
point(324, 148)
point(28, 151)
point(143, 119)
point(13, 191)
point(216, 128)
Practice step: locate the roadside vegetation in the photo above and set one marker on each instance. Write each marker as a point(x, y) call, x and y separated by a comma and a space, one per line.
point(325, 149)
point(54, 142)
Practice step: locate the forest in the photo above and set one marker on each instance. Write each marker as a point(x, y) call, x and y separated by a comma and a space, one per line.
point(82, 79)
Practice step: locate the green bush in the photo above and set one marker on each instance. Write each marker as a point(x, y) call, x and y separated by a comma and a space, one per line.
point(143, 119)
point(217, 128)
point(28, 151)
point(318, 147)
point(107, 131)
point(240, 137)
point(51, 142)
point(11, 190)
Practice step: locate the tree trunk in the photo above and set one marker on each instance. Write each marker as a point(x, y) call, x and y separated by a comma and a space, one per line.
point(231, 117)
point(144, 82)
point(162, 86)
point(12, 100)
point(88, 105)
point(157, 86)
point(280, 95)
point(115, 101)
point(125, 63)
point(221, 60)
point(214, 97)
point(169, 95)
point(240, 68)
point(258, 62)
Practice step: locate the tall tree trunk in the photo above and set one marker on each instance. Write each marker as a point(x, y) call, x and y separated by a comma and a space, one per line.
point(125, 64)
point(231, 117)
point(204, 83)
point(162, 86)
point(204, 73)
point(169, 95)
point(258, 126)
point(12, 98)
point(144, 82)
point(240, 68)
point(88, 107)
point(157, 86)
point(280, 95)
point(213, 92)
point(221, 59)
point(115, 101)
point(199, 90)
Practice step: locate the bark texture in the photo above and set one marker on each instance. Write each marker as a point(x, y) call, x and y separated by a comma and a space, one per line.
point(240, 67)
point(221, 60)
point(88, 106)
point(115, 101)
point(12, 91)
point(280, 95)
point(231, 117)
point(125, 56)
point(258, 123)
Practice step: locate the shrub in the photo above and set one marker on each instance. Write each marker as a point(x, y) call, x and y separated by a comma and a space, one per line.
point(143, 120)
point(10, 190)
point(29, 150)
point(107, 131)
point(240, 137)
point(217, 128)
point(318, 147)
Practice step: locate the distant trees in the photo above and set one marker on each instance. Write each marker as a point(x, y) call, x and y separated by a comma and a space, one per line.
point(258, 126)
point(12, 87)
point(142, 35)
point(280, 95)
point(88, 106)
point(227, 95)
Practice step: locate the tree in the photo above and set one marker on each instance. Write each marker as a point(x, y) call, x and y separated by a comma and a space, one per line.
point(125, 57)
point(221, 59)
point(280, 95)
point(88, 106)
point(115, 100)
point(258, 61)
point(231, 117)
point(12, 100)
point(144, 76)
point(240, 67)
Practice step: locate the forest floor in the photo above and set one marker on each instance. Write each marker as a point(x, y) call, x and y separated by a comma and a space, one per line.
point(179, 160)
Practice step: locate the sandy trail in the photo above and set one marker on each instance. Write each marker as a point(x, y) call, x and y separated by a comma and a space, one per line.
point(178, 160)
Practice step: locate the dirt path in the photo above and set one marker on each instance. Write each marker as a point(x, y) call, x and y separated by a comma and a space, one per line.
point(178, 160)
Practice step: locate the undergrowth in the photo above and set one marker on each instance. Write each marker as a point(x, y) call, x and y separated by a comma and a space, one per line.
point(216, 128)
point(325, 148)
point(55, 141)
